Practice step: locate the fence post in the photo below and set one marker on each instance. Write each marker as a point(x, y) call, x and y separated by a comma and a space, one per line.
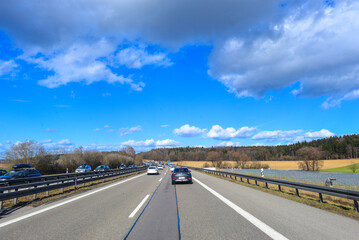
point(320, 197)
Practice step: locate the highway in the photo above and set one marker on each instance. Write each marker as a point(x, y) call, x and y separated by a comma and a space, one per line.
point(150, 207)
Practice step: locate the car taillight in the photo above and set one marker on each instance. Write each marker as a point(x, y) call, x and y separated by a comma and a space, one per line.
point(189, 173)
point(174, 173)
point(173, 179)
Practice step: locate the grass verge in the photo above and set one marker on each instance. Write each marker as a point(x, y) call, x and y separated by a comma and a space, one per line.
point(352, 168)
point(56, 194)
point(341, 206)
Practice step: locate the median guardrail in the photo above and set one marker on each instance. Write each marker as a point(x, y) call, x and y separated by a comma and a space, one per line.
point(32, 186)
point(337, 192)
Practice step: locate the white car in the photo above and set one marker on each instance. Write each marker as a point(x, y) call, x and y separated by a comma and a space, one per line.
point(160, 167)
point(152, 170)
point(172, 168)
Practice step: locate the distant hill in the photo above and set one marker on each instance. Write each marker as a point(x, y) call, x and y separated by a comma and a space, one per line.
point(341, 147)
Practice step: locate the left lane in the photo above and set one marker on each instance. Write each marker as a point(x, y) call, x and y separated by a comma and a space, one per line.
point(102, 215)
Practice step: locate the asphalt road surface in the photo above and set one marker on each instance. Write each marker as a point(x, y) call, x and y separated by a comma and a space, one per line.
point(150, 207)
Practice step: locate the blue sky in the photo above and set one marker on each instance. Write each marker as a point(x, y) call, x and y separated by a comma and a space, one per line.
point(232, 73)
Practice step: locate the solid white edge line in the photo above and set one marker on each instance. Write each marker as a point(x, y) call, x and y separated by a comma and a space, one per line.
point(65, 202)
point(255, 221)
point(160, 179)
point(138, 207)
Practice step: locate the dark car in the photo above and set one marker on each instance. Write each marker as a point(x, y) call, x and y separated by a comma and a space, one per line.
point(123, 166)
point(2, 172)
point(21, 165)
point(181, 174)
point(102, 168)
point(133, 166)
point(20, 173)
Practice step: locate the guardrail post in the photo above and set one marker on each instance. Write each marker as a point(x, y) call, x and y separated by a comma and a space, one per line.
point(356, 207)
point(241, 179)
point(0, 205)
point(47, 193)
point(247, 180)
point(297, 192)
point(35, 196)
point(320, 197)
point(15, 201)
point(266, 185)
point(256, 182)
point(235, 178)
point(279, 188)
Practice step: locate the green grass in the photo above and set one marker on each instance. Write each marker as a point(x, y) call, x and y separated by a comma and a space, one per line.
point(345, 169)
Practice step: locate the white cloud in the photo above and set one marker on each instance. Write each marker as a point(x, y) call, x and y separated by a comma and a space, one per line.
point(324, 133)
point(166, 143)
point(316, 48)
point(7, 67)
point(164, 126)
point(127, 131)
point(106, 126)
point(138, 57)
point(189, 131)
point(97, 129)
point(80, 63)
point(229, 144)
point(217, 132)
point(332, 102)
point(258, 144)
point(292, 136)
point(278, 135)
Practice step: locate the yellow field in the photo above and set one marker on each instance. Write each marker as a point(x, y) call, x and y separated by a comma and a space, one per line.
point(281, 165)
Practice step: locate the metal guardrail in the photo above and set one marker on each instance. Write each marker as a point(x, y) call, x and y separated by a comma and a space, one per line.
point(32, 186)
point(337, 192)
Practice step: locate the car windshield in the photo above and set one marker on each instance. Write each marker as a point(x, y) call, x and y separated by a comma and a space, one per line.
point(181, 169)
point(14, 173)
point(99, 167)
point(82, 167)
point(152, 167)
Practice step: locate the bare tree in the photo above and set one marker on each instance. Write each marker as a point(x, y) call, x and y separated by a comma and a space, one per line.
point(130, 151)
point(213, 157)
point(310, 159)
point(25, 152)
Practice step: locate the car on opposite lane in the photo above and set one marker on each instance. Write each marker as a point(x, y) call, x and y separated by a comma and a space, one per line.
point(83, 168)
point(160, 167)
point(20, 173)
point(181, 174)
point(152, 170)
point(102, 168)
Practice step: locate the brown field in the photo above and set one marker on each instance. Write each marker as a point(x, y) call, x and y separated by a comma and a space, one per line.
point(280, 165)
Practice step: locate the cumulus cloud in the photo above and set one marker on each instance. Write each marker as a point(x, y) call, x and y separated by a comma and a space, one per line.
point(138, 57)
point(62, 144)
point(317, 49)
point(291, 136)
point(127, 131)
point(150, 144)
point(7, 67)
point(166, 143)
point(164, 125)
point(217, 132)
point(80, 63)
point(229, 144)
point(97, 129)
point(189, 131)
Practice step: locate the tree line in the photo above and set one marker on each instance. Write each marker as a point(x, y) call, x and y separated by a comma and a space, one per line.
point(60, 161)
point(310, 153)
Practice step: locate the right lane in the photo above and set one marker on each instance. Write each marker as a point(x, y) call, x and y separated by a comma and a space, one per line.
point(204, 216)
